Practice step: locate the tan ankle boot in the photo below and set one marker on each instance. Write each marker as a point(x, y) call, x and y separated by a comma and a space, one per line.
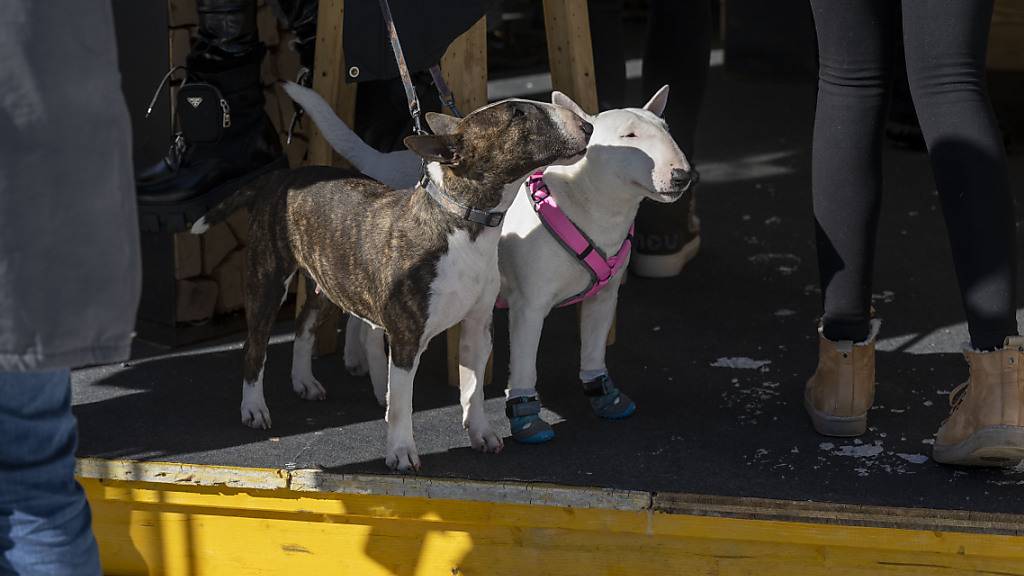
point(842, 389)
point(986, 424)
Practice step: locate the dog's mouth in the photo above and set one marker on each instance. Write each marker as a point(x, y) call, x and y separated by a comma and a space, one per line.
point(670, 196)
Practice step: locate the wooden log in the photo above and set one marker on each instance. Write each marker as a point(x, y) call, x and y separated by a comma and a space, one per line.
point(230, 278)
point(571, 57)
point(188, 256)
point(196, 299)
point(218, 242)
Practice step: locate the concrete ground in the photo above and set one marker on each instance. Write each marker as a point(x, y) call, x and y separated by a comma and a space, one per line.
point(705, 424)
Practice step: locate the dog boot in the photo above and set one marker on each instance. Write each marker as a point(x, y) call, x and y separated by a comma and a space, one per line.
point(667, 238)
point(842, 389)
point(986, 423)
point(606, 400)
point(525, 421)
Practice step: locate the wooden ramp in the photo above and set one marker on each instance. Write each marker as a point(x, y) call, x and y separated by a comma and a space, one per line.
point(182, 519)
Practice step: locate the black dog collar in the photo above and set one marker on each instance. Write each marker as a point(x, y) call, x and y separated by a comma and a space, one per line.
point(489, 218)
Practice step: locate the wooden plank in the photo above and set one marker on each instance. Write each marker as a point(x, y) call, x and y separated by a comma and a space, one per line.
point(182, 13)
point(464, 66)
point(1006, 37)
point(329, 75)
point(163, 518)
point(567, 26)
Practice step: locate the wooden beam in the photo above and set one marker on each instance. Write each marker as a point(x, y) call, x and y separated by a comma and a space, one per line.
point(464, 66)
point(329, 75)
point(570, 54)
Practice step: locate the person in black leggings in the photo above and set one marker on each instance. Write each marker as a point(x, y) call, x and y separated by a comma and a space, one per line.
point(945, 44)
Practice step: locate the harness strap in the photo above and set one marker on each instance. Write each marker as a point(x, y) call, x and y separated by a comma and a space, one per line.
point(601, 268)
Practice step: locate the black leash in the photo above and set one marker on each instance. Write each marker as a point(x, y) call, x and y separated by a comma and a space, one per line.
point(403, 68)
point(443, 92)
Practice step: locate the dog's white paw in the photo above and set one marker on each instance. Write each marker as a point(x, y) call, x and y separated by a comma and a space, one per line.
point(255, 414)
point(483, 439)
point(308, 388)
point(403, 458)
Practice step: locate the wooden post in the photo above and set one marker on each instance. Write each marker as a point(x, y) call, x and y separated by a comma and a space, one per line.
point(567, 25)
point(329, 82)
point(465, 68)
point(570, 54)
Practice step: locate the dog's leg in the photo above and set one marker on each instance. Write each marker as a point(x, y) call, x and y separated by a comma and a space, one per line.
point(377, 359)
point(303, 382)
point(523, 406)
point(263, 293)
point(525, 325)
point(474, 349)
point(596, 317)
point(401, 446)
point(355, 348)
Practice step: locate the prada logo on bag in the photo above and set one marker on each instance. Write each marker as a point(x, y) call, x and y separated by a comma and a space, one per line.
point(195, 101)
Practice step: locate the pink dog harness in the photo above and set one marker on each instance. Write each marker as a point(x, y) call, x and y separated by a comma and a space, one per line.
point(601, 267)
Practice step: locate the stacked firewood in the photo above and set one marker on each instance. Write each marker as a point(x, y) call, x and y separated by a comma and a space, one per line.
point(209, 269)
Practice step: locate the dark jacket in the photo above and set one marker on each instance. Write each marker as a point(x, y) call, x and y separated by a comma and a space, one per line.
point(69, 255)
point(425, 29)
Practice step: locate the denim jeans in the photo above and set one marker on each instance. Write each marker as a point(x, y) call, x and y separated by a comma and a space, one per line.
point(45, 523)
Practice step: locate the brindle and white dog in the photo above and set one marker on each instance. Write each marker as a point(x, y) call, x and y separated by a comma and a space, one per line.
point(412, 262)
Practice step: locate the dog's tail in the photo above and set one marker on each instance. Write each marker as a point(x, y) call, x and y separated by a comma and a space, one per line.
point(219, 213)
point(396, 169)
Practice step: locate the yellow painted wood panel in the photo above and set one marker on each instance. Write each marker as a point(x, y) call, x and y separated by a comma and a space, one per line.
point(146, 528)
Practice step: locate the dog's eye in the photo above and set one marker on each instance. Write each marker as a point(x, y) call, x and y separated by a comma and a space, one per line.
point(517, 111)
point(630, 135)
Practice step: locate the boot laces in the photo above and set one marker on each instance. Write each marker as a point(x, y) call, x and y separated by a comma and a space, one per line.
point(957, 396)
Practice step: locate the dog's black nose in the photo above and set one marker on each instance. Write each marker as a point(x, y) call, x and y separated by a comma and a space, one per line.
point(683, 179)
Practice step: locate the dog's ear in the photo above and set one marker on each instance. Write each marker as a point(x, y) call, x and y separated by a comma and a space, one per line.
point(658, 102)
point(442, 123)
point(443, 149)
point(559, 99)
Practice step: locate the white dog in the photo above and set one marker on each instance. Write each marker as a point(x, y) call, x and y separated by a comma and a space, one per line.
point(630, 157)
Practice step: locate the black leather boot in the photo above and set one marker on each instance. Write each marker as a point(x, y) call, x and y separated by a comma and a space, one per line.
point(198, 174)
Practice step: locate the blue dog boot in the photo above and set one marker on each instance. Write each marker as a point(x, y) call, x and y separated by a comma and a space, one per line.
point(606, 400)
point(524, 419)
